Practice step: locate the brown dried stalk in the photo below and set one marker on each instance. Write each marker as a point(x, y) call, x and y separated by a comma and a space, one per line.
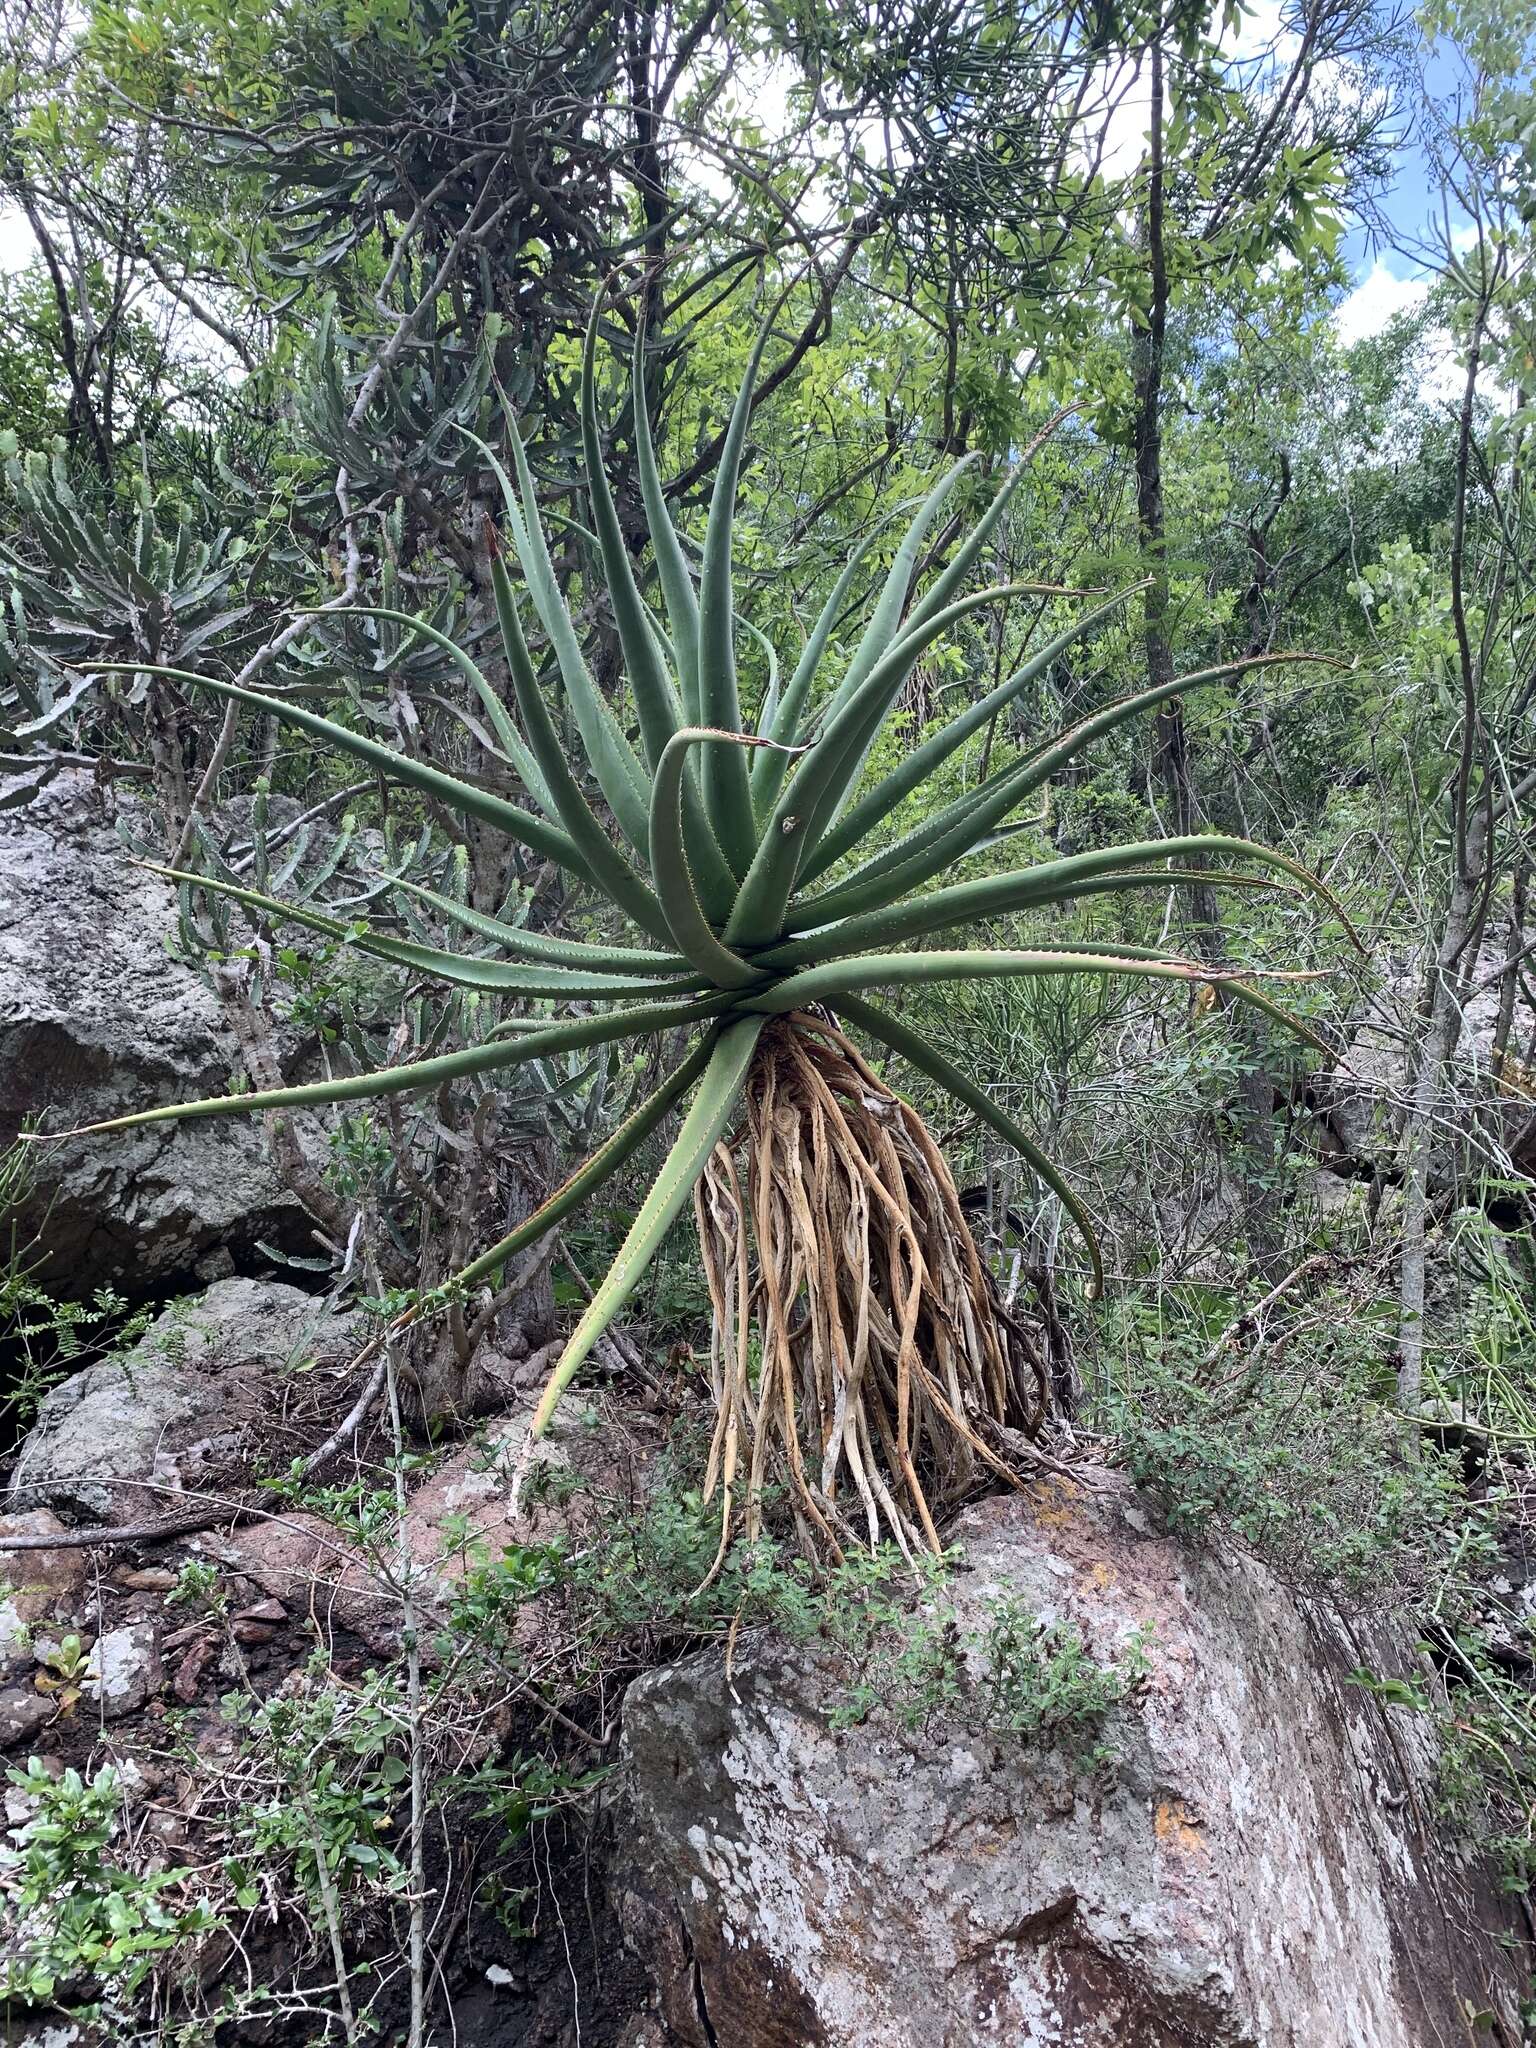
point(888, 1366)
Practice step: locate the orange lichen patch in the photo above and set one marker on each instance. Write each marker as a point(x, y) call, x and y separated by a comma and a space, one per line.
point(1102, 1577)
point(1178, 1828)
point(1056, 1502)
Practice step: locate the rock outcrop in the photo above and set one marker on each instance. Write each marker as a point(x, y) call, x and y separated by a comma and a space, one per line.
point(1255, 1864)
point(1361, 1105)
point(181, 1409)
point(97, 1020)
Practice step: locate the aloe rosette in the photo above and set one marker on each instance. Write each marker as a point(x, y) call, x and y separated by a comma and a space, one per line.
point(770, 906)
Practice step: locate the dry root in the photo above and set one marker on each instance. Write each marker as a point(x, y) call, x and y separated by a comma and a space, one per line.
point(885, 1363)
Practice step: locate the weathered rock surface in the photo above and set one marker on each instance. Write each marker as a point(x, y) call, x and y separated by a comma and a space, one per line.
point(177, 1409)
point(96, 1020)
point(1362, 1104)
point(1254, 1866)
point(461, 1514)
point(43, 1589)
point(126, 1671)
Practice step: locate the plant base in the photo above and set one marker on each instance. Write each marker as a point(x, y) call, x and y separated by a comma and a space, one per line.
point(885, 1367)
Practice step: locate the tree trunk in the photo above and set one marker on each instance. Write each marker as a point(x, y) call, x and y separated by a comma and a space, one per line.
point(1471, 852)
point(1173, 765)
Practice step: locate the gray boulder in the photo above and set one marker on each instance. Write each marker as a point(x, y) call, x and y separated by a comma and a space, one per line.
point(96, 1020)
point(1255, 1864)
point(1363, 1103)
point(183, 1408)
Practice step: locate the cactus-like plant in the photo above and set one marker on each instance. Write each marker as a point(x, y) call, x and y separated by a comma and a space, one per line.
point(888, 1369)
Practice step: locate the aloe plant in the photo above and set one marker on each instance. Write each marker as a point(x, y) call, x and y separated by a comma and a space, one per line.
point(769, 904)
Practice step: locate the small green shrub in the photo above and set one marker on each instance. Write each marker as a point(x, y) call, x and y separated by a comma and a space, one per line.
point(1296, 1454)
point(77, 1919)
point(1044, 1684)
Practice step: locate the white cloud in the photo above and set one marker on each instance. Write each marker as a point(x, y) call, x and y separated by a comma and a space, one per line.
point(1261, 31)
point(1377, 299)
point(17, 243)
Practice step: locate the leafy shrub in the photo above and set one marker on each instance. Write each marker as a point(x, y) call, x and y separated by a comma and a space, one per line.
point(1298, 1455)
point(77, 1918)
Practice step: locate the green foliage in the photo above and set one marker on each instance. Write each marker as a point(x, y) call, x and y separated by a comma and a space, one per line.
point(81, 1924)
point(340, 1766)
point(1304, 1461)
point(159, 586)
point(44, 1336)
point(1042, 1684)
point(896, 1643)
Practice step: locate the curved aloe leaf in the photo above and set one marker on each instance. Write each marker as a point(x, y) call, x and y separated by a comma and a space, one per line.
point(541, 947)
point(968, 553)
point(506, 733)
point(929, 849)
point(497, 977)
point(655, 695)
point(593, 1171)
point(690, 929)
point(884, 626)
point(927, 1058)
point(910, 969)
point(671, 563)
point(805, 807)
point(933, 752)
point(1241, 991)
point(703, 1127)
point(608, 866)
point(905, 920)
point(524, 826)
point(571, 1036)
point(1051, 881)
point(846, 749)
point(768, 770)
point(716, 883)
point(618, 773)
point(727, 792)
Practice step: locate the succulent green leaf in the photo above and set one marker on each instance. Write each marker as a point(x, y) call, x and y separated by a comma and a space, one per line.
point(671, 563)
point(690, 929)
point(619, 774)
point(506, 733)
point(819, 785)
point(768, 770)
point(703, 1127)
point(884, 627)
point(524, 826)
point(644, 646)
point(655, 694)
point(924, 759)
point(492, 1057)
point(1053, 881)
point(839, 978)
point(939, 842)
point(727, 791)
point(540, 946)
point(607, 865)
point(594, 1171)
point(496, 977)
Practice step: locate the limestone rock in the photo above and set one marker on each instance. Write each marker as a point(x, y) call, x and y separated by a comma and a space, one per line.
point(174, 1410)
point(127, 1670)
point(1254, 1866)
point(23, 1713)
point(42, 1586)
point(96, 1020)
